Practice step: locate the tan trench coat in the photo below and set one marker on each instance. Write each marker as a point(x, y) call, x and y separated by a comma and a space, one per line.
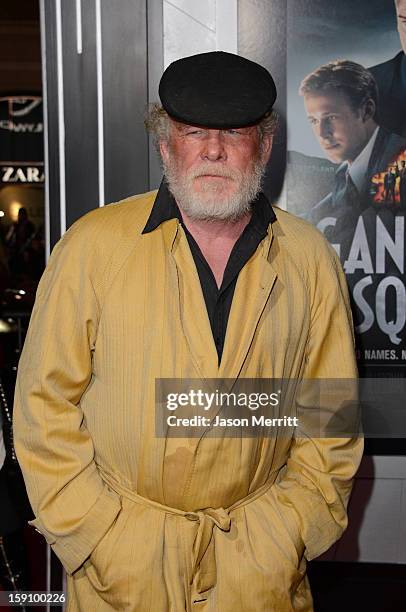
point(143, 523)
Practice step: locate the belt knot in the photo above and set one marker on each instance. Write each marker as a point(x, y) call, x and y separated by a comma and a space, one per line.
point(219, 516)
point(203, 565)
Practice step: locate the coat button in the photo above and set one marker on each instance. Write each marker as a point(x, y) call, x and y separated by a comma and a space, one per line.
point(191, 516)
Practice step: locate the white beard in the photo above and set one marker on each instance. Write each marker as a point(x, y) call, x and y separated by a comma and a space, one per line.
point(211, 204)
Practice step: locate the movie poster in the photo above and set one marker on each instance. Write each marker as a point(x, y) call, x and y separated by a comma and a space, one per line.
point(346, 172)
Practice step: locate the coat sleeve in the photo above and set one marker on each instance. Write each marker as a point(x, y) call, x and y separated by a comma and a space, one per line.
point(73, 506)
point(314, 486)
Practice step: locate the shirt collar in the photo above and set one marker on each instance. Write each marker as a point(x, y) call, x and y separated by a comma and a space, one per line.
point(165, 208)
point(358, 169)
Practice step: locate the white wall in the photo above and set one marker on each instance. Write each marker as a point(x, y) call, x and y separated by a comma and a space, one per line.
point(197, 26)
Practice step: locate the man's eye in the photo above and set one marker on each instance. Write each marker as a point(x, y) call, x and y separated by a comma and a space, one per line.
point(233, 132)
point(333, 117)
point(194, 132)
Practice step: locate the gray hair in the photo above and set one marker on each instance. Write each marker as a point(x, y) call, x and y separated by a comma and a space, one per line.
point(157, 123)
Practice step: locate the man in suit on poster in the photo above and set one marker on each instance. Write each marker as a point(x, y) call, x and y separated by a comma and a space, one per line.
point(145, 289)
point(340, 100)
point(401, 173)
point(390, 77)
point(389, 183)
point(360, 216)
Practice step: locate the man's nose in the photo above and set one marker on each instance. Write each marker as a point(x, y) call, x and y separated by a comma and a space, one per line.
point(325, 130)
point(214, 149)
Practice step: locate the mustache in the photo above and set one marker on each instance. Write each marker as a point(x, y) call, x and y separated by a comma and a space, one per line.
point(205, 169)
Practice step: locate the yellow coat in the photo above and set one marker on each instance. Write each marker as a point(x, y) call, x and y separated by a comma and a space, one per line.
point(116, 309)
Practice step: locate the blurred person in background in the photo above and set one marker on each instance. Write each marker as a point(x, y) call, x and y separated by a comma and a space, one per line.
point(15, 510)
point(18, 241)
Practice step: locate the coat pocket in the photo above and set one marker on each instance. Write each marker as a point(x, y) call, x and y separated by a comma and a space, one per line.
point(126, 569)
point(102, 563)
point(267, 525)
point(282, 523)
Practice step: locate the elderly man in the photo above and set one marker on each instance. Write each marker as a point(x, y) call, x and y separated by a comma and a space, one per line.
point(202, 280)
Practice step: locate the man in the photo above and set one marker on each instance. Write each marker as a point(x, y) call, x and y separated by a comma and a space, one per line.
point(391, 80)
point(389, 182)
point(340, 100)
point(401, 173)
point(203, 280)
point(18, 240)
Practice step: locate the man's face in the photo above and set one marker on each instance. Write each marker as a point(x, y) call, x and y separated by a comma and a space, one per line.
point(214, 174)
point(341, 131)
point(401, 17)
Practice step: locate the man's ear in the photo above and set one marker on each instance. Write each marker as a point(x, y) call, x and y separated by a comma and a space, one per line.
point(164, 150)
point(266, 147)
point(369, 109)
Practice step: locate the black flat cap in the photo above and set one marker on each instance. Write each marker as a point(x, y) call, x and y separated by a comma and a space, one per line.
point(217, 90)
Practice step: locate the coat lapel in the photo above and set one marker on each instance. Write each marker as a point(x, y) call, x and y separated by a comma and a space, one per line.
point(254, 285)
point(252, 291)
point(193, 312)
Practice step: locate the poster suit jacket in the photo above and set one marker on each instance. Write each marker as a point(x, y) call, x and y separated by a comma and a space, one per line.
point(392, 94)
point(387, 146)
point(143, 523)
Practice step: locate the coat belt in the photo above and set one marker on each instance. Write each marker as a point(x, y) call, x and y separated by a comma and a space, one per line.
point(204, 572)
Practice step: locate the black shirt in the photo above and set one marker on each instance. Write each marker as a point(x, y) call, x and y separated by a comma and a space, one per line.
point(218, 299)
